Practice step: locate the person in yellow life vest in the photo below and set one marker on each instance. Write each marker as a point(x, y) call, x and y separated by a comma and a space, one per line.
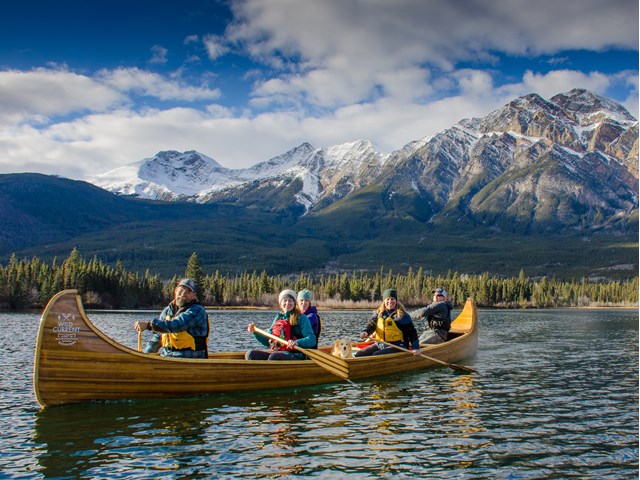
point(391, 323)
point(183, 327)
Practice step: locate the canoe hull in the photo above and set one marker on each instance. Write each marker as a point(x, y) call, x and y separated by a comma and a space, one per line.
point(75, 362)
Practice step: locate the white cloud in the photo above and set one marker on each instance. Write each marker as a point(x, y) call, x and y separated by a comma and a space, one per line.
point(474, 82)
point(552, 83)
point(41, 93)
point(158, 55)
point(99, 142)
point(190, 39)
point(346, 48)
point(142, 82)
point(336, 71)
point(215, 46)
point(564, 80)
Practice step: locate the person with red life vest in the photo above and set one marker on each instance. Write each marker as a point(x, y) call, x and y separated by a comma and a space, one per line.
point(289, 324)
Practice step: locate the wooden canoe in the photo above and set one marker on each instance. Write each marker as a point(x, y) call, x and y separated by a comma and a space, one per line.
point(76, 362)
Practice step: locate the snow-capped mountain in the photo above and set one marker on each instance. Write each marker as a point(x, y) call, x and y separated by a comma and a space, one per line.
point(570, 160)
point(535, 164)
point(172, 175)
point(169, 175)
point(304, 177)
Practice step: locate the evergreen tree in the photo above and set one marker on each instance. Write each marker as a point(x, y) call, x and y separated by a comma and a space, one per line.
point(31, 283)
point(194, 272)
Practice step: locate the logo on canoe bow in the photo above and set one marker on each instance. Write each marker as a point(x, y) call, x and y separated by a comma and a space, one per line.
point(67, 333)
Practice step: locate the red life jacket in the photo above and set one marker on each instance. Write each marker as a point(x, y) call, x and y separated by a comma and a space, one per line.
point(281, 328)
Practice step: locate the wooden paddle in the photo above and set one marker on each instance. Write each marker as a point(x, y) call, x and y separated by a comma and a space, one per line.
point(337, 366)
point(450, 365)
point(140, 341)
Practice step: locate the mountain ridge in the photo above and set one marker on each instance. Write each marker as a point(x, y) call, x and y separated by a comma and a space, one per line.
point(476, 197)
point(573, 136)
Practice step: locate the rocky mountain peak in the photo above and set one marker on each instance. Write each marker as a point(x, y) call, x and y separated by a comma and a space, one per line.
point(168, 175)
point(176, 164)
point(590, 107)
point(523, 115)
point(534, 164)
point(303, 154)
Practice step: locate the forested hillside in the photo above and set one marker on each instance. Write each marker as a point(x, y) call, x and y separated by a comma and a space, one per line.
point(31, 283)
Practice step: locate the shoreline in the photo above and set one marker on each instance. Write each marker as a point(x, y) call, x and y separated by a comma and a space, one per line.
point(38, 311)
point(326, 309)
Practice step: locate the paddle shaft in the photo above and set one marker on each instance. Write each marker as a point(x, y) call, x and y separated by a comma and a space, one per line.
point(140, 341)
point(278, 339)
point(330, 363)
point(442, 362)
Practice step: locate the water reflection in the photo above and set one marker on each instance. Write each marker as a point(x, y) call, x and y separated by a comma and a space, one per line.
point(197, 435)
point(76, 439)
point(542, 406)
point(467, 425)
point(279, 437)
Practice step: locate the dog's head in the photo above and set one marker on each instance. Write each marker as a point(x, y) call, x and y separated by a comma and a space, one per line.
point(342, 348)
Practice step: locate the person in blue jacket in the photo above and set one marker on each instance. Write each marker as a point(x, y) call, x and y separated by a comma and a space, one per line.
point(391, 323)
point(183, 327)
point(289, 324)
point(305, 298)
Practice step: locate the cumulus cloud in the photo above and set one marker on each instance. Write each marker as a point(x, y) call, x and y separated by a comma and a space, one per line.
point(151, 84)
point(191, 39)
point(42, 93)
point(564, 80)
point(159, 54)
point(216, 46)
point(102, 141)
point(355, 47)
point(331, 72)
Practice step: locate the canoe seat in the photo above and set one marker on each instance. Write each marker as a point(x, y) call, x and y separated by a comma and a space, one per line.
point(453, 333)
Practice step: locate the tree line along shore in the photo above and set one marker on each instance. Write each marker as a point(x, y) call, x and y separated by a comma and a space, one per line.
point(28, 284)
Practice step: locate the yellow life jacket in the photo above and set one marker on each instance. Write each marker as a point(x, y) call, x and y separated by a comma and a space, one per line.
point(387, 330)
point(180, 340)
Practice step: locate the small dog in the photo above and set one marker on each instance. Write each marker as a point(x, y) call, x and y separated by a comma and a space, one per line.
point(342, 348)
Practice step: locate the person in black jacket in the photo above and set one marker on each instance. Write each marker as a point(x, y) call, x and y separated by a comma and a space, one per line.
point(437, 318)
point(390, 323)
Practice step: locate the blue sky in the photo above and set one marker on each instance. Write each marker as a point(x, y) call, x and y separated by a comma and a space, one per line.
point(86, 87)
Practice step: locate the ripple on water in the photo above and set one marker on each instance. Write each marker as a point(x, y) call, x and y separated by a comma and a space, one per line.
point(543, 405)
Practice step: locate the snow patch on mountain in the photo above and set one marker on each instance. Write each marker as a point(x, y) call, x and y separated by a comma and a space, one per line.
point(171, 175)
point(591, 108)
point(167, 175)
point(575, 125)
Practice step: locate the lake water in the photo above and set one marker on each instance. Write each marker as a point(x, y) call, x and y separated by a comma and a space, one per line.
point(555, 396)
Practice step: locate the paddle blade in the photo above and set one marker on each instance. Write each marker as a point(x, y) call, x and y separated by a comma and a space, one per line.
point(333, 364)
point(462, 368)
